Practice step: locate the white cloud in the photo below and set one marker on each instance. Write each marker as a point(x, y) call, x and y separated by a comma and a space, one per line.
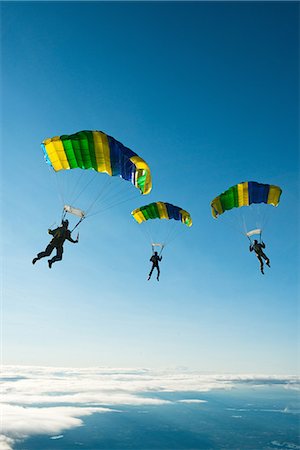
point(47, 400)
point(6, 443)
point(190, 400)
point(19, 421)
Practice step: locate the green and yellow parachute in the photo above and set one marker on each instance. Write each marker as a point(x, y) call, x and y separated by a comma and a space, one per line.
point(100, 152)
point(162, 210)
point(244, 194)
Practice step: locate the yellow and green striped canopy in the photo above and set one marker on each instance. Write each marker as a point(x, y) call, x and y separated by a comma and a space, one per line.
point(244, 194)
point(100, 152)
point(161, 210)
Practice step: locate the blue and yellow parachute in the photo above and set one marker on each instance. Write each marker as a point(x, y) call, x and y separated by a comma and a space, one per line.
point(244, 194)
point(162, 210)
point(100, 152)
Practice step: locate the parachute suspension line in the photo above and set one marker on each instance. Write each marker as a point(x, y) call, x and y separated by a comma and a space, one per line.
point(154, 246)
point(101, 192)
point(85, 187)
point(172, 232)
point(261, 212)
point(145, 232)
point(112, 206)
point(161, 250)
point(156, 238)
point(78, 183)
point(265, 214)
point(245, 229)
point(58, 188)
point(78, 223)
point(117, 194)
point(237, 221)
point(244, 225)
point(112, 199)
point(148, 232)
point(63, 215)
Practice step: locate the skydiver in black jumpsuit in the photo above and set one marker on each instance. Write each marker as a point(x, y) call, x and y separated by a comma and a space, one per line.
point(155, 259)
point(257, 247)
point(60, 234)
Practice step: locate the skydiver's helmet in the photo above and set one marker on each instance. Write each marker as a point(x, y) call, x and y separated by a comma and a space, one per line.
point(155, 253)
point(65, 223)
point(255, 241)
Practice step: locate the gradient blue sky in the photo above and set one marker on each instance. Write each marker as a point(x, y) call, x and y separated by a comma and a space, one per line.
point(208, 95)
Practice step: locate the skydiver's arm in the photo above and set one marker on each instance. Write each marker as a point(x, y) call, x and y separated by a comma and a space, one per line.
point(72, 240)
point(263, 245)
point(250, 248)
point(69, 237)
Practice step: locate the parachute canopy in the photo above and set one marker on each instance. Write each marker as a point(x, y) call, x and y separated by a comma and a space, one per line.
point(244, 194)
point(161, 210)
point(100, 152)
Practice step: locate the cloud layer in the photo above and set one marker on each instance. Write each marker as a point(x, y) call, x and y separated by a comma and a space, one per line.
point(45, 400)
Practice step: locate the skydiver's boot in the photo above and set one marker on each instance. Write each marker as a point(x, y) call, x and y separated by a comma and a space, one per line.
point(157, 278)
point(262, 270)
point(50, 263)
point(268, 263)
point(34, 260)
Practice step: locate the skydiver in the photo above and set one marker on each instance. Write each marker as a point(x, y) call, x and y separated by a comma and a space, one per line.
point(60, 234)
point(257, 247)
point(155, 258)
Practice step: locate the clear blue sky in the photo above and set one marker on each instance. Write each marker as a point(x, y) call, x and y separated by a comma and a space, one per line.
point(208, 95)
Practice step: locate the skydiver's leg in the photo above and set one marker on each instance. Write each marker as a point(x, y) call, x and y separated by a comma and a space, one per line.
point(151, 271)
point(158, 272)
point(261, 264)
point(57, 257)
point(266, 258)
point(49, 249)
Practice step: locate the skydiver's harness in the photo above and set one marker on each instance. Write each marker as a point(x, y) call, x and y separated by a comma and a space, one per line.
point(59, 236)
point(155, 259)
point(68, 209)
point(258, 248)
